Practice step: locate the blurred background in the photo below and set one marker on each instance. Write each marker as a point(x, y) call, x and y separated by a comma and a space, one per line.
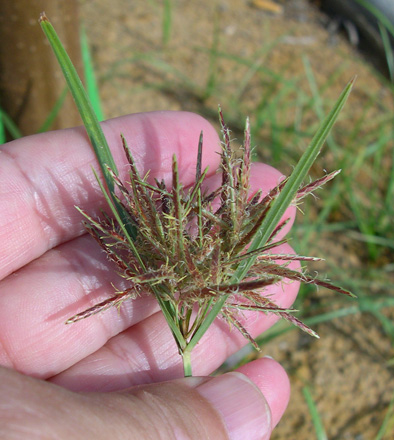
point(283, 64)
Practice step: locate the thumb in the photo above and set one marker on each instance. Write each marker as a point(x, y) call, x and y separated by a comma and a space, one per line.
point(230, 406)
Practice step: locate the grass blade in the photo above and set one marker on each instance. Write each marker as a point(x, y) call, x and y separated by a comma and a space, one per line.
point(316, 420)
point(2, 130)
point(88, 115)
point(280, 205)
point(81, 98)
point(295, 180)
point(388, 50)
point(167, 22)
point(388, 422)
point(90, 77)
point(9, 125)
point(379, 15)
point(54, 112)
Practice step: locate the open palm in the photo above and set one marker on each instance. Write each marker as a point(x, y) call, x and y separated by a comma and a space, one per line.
point(50, 269)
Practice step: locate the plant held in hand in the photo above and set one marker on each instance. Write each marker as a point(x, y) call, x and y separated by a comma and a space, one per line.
point(201, 254)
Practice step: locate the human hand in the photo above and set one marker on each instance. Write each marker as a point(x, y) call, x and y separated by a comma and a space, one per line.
point(50, 270)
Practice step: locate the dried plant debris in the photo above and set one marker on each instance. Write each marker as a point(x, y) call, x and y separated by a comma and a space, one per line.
point(188, 244)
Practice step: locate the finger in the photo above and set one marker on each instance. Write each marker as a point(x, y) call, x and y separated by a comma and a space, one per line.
point(147, 351)
point(229, 406)
point(36, 301)
point(43, 177)
point(273, 382)
point(65, 281)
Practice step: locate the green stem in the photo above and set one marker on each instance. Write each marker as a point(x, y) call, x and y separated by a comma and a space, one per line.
point(187, 365)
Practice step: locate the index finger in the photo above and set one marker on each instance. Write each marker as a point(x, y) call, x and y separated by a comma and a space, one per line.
point(43, 177)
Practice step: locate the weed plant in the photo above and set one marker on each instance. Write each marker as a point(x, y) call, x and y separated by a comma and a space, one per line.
point(199, 254)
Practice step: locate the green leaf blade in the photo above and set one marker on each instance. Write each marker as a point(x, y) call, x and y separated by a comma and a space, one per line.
point(279, 206)
point(82, 101)
point(294, 182)
point(88, 115)
point(90, 77)
point(316, 419)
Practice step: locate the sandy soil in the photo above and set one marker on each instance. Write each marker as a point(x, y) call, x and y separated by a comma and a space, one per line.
point(347, 368)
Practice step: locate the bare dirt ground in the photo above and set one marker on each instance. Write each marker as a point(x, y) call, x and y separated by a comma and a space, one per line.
point(346, 370)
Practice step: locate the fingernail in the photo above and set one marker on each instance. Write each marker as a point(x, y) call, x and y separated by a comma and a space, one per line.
point(241, 404)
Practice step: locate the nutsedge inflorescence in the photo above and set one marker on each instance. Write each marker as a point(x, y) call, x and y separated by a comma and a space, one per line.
point(188, 245)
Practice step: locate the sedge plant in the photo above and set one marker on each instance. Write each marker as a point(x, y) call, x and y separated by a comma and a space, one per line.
point(201, 254)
